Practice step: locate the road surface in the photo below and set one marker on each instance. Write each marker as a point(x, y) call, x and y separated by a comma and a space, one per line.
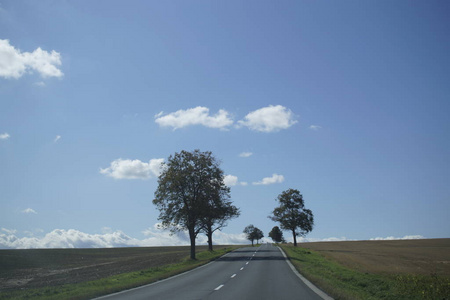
point(247, 273)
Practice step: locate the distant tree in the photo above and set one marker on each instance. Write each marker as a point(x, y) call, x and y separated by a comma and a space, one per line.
point(253, 233)
point(188, 181)
point(292, 214)
point(258, 234)
point(249, 233)
point(276, 235)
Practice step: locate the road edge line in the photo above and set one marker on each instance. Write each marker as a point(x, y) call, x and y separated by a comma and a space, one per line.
point(162, 280)
point(308, 283)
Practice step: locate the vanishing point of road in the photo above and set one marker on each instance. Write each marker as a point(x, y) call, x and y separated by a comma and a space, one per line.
point(246, 273)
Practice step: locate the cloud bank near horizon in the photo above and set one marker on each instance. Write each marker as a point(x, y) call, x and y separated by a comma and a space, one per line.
point(154, 236)
point(71, 238)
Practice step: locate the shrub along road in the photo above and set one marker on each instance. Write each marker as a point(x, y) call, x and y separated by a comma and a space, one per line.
point(247, 273)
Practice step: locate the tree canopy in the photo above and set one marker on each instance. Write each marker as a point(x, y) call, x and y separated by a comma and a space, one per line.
point(191, 195)
point(292, 215)
point(276, 234)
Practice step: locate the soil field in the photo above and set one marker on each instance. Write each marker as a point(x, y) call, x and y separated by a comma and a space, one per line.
point(33, 268)
point(418, 257)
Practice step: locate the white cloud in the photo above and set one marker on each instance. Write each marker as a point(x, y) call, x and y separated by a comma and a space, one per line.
point(39, 83)
point(270, 180)
point(4, 136)
point(315, 127)
point(29, 211)
point(9, 231)
point(245, 154)
point(269, 119)
point(133, 169)
point(14, 63)
point(231, 180)
point(72, 238)
point(194, 116)
point(391, 238)
point(57, 138)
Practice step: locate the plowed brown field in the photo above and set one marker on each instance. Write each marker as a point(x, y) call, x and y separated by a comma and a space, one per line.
point(427, 256)
point(35, 268)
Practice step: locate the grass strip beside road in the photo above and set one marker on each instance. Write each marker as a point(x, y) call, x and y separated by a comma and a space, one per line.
point(342, 282)
point(104, 286)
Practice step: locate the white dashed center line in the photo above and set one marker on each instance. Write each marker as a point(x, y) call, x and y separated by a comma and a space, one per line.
point(246, 263)
point(242, 268)
point(219, 287)
point(232, 276)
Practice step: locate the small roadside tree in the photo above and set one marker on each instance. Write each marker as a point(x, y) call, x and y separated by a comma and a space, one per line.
point(258, 234)
point(292, 214)
point(219, 211)
point(276, 235)
point(185, 185)
point(249, 233)
point(253, 233)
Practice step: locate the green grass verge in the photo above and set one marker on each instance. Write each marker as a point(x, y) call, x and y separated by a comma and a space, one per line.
point(341, 282)
point(104, 286)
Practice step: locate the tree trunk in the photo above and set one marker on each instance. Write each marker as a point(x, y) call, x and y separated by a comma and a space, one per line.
point(192, 238)
point(295, 238)
point(210, 244)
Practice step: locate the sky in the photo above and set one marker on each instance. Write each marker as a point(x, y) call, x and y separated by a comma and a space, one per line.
point(347, 102)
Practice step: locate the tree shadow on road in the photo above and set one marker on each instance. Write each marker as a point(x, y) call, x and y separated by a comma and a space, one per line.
point(247, 258)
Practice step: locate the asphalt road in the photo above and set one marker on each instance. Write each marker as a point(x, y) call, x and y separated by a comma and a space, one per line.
point(247, 273)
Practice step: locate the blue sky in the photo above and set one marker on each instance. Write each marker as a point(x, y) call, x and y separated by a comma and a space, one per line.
point(347, 102)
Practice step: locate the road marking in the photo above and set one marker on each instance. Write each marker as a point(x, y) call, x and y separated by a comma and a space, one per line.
point(232, 276)
point(219, 287)
point(242, 268)
point(246, 263)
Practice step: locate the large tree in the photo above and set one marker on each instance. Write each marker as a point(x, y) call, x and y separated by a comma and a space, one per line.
point(253, 233)
point(276, 234)
point(292, 214)
point(188, 182)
